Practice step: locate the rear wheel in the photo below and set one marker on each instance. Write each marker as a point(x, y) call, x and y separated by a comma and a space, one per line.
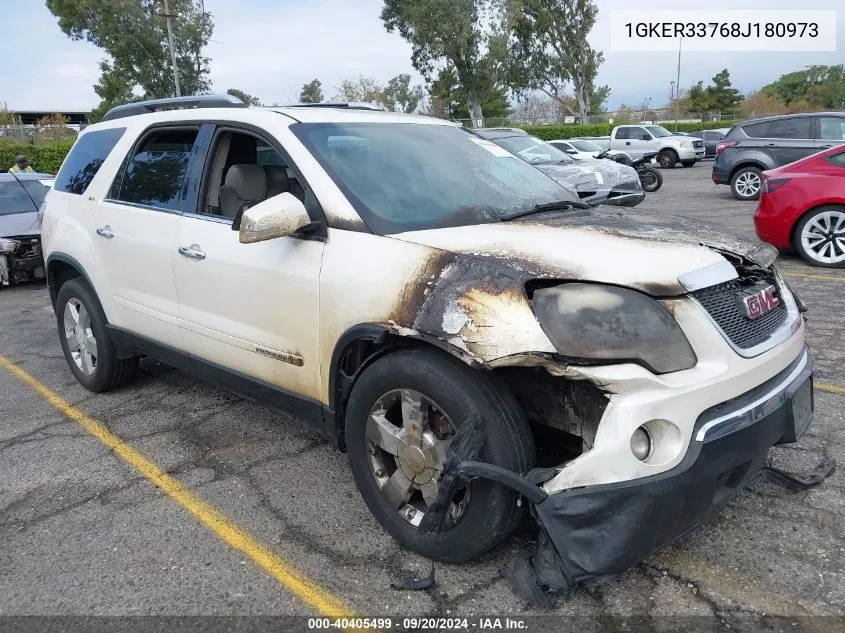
point(667, 158)
point(688, 163)
point(746, 183)
point(401, 415)
point(85, 341)
point(820, 236)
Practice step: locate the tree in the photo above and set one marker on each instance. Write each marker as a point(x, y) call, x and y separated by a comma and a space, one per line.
point(723, 97)
point(549, 50)
point(401, 97)
point(134, 36)
point(460, 33)
point(598, 100)
point(452, 98)
point(535, 107)
point(312, 92)
point(814, 88)
point(697, 99)
point(363, 89)
point(7, 117)
point(760, 102)
point(243, 96)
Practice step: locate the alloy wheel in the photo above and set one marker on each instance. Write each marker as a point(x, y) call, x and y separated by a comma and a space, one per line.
point(748, 184)
point(81, 342)
point(408, 436)
point(823, 237)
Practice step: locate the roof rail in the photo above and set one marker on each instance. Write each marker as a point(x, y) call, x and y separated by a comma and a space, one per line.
point(350, 105)
point(173, 103)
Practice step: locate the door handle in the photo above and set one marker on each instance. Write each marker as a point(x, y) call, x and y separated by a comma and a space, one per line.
point(826, 146)
point(193, 252)
point(105, 231)
point(627, 142)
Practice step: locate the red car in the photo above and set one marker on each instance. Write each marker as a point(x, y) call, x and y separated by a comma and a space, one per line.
point(802, 207)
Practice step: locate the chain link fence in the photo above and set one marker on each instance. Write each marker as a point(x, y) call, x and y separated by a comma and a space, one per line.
point(660, 116)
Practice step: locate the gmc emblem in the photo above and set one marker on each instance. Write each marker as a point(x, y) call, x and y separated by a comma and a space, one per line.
point(759, 303)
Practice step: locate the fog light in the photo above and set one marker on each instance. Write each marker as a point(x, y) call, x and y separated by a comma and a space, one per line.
point(641, 444)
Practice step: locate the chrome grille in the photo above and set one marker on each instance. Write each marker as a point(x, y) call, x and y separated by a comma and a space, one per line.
point(698, 144)
point(722, 303)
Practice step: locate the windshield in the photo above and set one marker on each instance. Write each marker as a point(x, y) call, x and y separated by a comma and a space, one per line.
point(405, 176)
point(13, 199)
point(658, 131)
point(586, 146)
point(533, 150)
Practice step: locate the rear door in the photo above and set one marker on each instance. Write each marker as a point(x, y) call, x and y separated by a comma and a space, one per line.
point(830, 131)
point(789, 139)
point(137, 226)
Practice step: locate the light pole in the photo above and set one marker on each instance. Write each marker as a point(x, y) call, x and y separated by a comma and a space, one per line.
point(678, 85)
point(172, 49)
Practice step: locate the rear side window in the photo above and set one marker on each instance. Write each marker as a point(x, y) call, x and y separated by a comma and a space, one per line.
point(155, 172)
point(13, 199)
point(622, 132)
point(798, 128)
point(85, 159)
point(832, 128)
point(756, 130)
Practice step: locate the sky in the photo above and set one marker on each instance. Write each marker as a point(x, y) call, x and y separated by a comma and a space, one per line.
point(269, 48)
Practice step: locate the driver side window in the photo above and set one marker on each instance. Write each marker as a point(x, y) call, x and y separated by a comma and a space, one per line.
point(244, 170)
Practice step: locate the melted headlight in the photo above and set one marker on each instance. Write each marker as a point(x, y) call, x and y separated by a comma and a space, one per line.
point(598, 322)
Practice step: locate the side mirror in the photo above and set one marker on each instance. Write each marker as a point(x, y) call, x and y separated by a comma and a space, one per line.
point(646, 137)
point(279, 216)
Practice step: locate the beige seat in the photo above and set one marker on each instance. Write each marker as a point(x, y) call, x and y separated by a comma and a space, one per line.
point(245, 186)
point(277, 180)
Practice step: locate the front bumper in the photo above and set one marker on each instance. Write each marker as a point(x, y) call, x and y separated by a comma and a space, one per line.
point(599, 531)
point(690, 153)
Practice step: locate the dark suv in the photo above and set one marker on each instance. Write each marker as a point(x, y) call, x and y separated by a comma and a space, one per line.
point(751, 148)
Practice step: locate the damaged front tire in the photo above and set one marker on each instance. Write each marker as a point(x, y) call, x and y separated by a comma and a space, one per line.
point(401, 415)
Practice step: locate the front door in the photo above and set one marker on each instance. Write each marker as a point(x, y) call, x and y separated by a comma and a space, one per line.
point(248, 308)
point(640, 142)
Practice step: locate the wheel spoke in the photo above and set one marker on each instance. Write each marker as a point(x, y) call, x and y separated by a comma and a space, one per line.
point(412, 413)
point(429, 491)
point(814, 238)
point(439, 450)
point(82, 317)
point(381, 432)
point(840, 223)
point(398, 489)
point(73, 344)
point(87, 362)
point(91, 343)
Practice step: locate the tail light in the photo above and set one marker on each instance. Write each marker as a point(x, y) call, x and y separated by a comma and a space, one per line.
point(770, 185)
point(721, 147)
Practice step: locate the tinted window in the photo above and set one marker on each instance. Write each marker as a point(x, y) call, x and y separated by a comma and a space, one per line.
point(756, 130)
point(85, 159)
point(402, 177)
point(713, 136)
point(798, 128)
point(13, 199)
point(37, 189)
point(156, 172)
point(832, 128)
point(838, 159)
point(622, 133)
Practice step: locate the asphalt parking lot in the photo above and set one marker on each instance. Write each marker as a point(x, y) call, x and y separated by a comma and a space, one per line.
point(82, 532)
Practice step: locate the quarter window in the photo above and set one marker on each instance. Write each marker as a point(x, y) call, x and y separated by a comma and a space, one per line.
point(85, 159)
point(798, 128)
point(832, 128)
point(623, 133)
point(155, 173)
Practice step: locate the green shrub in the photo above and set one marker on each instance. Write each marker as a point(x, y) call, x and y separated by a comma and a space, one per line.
point(46, 158)
point(550, 132)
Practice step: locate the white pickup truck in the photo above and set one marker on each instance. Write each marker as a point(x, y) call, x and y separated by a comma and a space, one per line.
point(638, 140)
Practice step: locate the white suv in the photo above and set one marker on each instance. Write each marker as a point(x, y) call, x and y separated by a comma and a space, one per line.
point(386, 278)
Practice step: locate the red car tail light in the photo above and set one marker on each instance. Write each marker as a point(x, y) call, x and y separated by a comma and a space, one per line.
point(721, 147)
point(771, 185)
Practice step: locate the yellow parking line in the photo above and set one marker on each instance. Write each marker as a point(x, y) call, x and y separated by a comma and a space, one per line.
point(823, 386)
point(290, 578)
point(822, 277)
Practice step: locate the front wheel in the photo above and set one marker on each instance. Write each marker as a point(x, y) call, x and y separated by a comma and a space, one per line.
point(746, 183)
point(402, 414)
point(820, 236)
point(85, 341)
point(667, 158)
point(650, 179)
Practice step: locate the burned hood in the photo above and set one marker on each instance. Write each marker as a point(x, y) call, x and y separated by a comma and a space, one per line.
point(646, 252)
point(19, 225)
point(591, 175)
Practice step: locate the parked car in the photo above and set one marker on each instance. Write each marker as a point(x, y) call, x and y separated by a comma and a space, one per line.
point(711, 140)
point(583, 149)
point(637, 140)
point(422, 297)
point(802, 207)
point(595, 181)
point(20, 241)
point(752, 147)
